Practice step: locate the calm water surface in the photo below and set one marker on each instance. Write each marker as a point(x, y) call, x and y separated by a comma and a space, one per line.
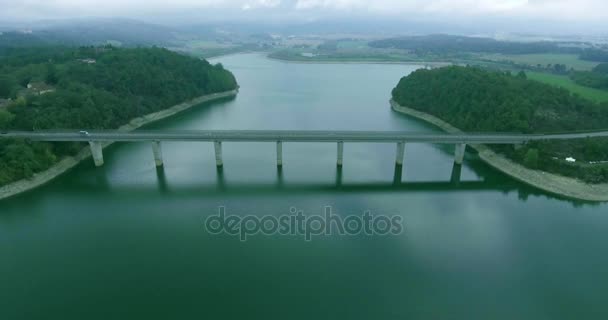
point(126, 241)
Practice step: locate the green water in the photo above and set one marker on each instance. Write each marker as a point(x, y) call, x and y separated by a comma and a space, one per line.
point(126, 241)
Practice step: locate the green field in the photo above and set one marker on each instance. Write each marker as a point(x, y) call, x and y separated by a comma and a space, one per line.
point(570, 60)
point(568, 84)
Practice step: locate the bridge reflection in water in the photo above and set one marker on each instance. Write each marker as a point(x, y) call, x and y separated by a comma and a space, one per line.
point(489, 180)
point(454, 184)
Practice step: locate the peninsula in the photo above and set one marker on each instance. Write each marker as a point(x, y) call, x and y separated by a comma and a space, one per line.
point(476, 100)
point(91, 87)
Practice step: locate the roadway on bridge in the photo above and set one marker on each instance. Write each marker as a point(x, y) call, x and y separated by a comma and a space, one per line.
point(295, 136)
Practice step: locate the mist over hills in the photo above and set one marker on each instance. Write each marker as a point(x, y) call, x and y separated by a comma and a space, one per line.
point(163, 30)
point(92, 32)
point(175, 34)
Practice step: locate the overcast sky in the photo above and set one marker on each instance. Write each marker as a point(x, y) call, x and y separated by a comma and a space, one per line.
point(566, 11)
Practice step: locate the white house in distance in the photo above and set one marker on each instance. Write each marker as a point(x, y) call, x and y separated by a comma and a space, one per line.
point(570, 159)
point(36, 88)
point(87, 61)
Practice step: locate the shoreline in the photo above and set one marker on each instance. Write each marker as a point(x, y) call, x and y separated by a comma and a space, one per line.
point(549, 182)
point(41, 178)
point(231, 54)
point(355, 61)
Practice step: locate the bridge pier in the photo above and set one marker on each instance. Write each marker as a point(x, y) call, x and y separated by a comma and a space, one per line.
point(340, 153)
point(400, 153)
point(339, 176)
point(218, 153)
point(398, 175)
point(280, 179)
point(459, 153)
point(456, 173)
point(279, 153)
point(158, 153)
point(96, 152)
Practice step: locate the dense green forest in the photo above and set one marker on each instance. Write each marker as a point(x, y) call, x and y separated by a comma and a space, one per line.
point(477, 100)
point(92, 88)
point(597, 78)
point(94, 31)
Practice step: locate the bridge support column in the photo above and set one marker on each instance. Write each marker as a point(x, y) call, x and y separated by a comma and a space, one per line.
point(398, 176)
point(97, 152)
point(400, 153)
point(158, 153)
point(218, 153)
point(279, 153)
point(456, 173)
point(340, 160)
point(459, 153)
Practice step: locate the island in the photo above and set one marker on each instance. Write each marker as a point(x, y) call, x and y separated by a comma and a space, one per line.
point(472, 99)
point(92, 88)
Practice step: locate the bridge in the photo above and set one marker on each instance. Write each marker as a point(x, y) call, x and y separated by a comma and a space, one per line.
point(217, 137)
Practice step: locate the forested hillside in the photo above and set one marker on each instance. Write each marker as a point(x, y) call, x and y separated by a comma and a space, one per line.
point(477, 100)
point(91, 31)
point(93, 88)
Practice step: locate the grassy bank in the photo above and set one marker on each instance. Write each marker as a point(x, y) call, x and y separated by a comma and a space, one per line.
point(567, 83)
point(570, 60)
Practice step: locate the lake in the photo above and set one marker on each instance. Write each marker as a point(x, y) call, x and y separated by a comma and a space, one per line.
point(127, 241)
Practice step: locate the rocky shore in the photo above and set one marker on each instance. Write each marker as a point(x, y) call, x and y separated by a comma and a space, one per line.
point(549, 182)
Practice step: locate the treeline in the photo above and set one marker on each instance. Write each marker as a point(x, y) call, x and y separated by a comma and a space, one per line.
point(448, 44)
point(13, 39)
point(596, 55)
point(91, 88)
point(477, 100)
point(596, 78)
point(438, 44)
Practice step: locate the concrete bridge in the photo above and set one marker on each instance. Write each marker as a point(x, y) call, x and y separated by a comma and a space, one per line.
point(96, 138)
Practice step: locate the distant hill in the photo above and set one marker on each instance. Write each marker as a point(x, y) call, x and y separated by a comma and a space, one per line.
point(122, 32)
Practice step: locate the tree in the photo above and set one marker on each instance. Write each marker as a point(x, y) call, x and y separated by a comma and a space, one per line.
point(7, 86)
point(20, 102)
point(5, 119)
point(51, 74)
point(522, 75)
point(560, 68)
point(531, 158)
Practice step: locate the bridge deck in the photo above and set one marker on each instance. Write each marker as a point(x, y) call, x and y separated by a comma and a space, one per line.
point(295, 136)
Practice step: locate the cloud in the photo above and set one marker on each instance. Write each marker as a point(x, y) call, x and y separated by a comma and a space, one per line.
point(261, 4)
point(540, 8)
point(580, 10)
